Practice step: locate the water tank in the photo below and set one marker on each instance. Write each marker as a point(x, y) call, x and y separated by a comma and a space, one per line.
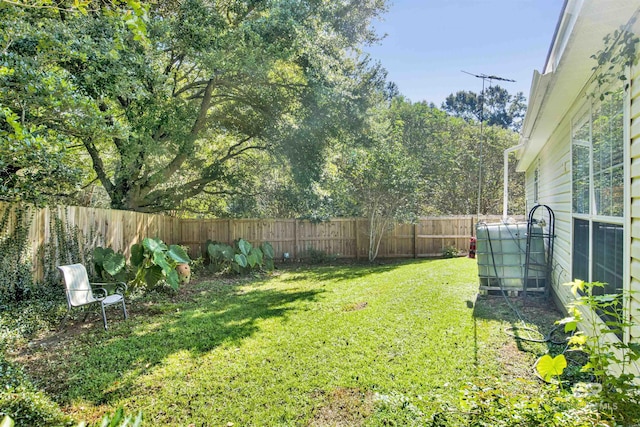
point(501, 253)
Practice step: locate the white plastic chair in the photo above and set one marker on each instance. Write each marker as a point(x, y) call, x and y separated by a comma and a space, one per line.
point(81, 293)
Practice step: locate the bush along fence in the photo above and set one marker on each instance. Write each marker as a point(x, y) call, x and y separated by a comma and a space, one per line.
point(51, 234)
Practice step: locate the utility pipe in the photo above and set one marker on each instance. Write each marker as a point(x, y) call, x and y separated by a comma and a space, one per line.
point(505, 200)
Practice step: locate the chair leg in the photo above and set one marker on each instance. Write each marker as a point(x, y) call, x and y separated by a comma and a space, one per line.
point(104, 316)
point(66, 317)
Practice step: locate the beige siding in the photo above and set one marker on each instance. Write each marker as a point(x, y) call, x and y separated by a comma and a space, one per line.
point(634, 193)
point(554, 161)
point(555, 192)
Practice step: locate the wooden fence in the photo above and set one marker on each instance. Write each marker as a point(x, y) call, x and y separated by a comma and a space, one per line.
point(340, 237)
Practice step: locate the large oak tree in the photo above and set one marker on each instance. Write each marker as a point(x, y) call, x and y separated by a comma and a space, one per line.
point(164, 118)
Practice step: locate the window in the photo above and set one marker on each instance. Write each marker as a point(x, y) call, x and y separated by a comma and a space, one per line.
point(608, 156)
point(597, 157)
point(580, 161)
point(608, 256)
point(581, 249)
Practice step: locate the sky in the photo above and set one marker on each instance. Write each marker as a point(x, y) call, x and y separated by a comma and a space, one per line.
point(429, 43)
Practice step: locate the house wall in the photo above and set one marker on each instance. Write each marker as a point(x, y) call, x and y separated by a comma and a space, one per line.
point(554, 163)
point(634, 154)
point(554, 190)
point(559, 96)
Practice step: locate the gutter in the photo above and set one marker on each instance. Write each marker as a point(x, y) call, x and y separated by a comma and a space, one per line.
point(555, 36)
point(505, 200)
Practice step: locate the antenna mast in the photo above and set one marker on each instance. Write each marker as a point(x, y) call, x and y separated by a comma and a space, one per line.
point(484, 77)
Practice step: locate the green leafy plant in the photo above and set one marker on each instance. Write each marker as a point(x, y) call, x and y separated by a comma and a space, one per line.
point(268, 256)
point(450, 252)
point(550, 367)
point(241, 258)
point(66, 245)
point(22, 402)
point(317, 256)
point(16, 279)
point(120, 419)
point(501, 404)
point(220, 256)
point(109, 265)
point(619, 53)
point(117, 419)
point(155, 261)
point(610, 357)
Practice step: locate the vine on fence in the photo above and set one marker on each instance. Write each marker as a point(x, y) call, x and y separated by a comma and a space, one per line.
point(66, 245)
point(16, 279)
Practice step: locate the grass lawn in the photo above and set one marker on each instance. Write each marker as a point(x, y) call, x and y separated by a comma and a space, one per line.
point(309, 346)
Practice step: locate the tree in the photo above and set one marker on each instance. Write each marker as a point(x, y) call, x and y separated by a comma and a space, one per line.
point(168, 118)
point(496, 107)
point(379, 177)
point(32, 170)
point(444, 154)
point(37, 163)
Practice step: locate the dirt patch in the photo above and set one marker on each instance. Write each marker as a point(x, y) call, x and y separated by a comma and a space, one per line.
point(528, 333)
point(356, 306)
point(537, 311)
point(344, 407)
point(515, 362)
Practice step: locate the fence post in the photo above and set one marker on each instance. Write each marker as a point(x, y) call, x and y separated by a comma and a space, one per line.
point(357, 240)
point(415, 238)
point(295, 239)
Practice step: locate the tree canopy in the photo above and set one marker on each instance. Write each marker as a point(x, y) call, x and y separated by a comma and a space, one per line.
point(495, 107)
point(235, 108)
point(167, 118)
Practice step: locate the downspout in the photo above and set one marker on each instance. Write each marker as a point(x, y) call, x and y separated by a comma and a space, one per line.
point(505, 200)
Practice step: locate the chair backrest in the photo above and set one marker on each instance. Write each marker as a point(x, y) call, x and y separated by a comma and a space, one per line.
point(77, 285)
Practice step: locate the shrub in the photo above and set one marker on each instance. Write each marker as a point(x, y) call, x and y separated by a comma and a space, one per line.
point(317, 256)
point(21, 401)
point(154, 261)
point(242, 258)
point(610, 358)
point(450, 252)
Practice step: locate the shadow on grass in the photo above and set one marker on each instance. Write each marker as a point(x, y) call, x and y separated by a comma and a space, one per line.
point(350, 271)
point(538, 313)
point(222, 315)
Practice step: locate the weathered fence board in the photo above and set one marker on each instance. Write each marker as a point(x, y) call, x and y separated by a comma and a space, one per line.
point(340, 237)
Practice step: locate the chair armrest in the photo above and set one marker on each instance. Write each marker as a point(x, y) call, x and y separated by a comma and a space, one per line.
point(111, 287)
point(121, 288)
point(99, 293)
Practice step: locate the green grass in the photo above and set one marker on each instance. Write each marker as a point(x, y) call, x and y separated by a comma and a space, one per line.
point(331, 345)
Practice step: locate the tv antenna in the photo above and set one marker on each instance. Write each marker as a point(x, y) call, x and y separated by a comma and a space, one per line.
point(484, 78)
point(488, 77)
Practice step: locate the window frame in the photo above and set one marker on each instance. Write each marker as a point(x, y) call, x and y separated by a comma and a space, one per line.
point(585, 113)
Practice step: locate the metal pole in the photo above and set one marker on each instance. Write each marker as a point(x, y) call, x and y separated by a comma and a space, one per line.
point(480, 156)
point(505, 199)
point(483, 77)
